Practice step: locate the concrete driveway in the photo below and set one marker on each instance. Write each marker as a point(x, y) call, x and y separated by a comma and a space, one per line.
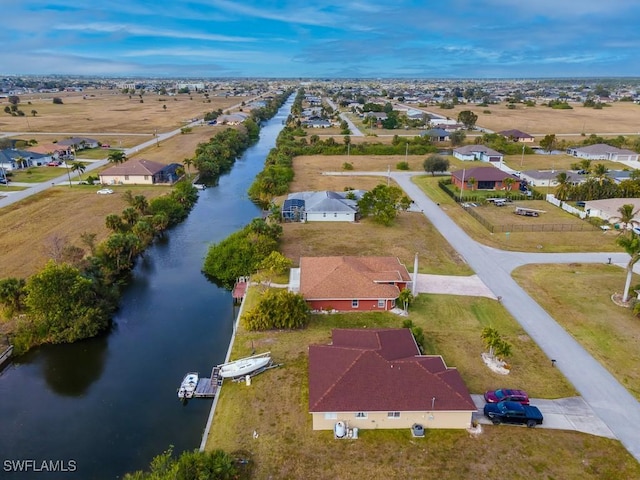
point(571, 413)
point(453, 285)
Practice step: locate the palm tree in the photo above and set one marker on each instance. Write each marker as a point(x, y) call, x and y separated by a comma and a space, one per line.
point(600, 172)
point(405, 298)
point(631, 245)
point(472, 181)
point(79, 168)
point(562, 191)
point(117, 157)
point(187, 162)
point(508, 183)
point(627, 215)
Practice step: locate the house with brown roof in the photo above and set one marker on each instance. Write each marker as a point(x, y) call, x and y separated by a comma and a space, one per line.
point(377, 378)
point(350, 283)
point(517, 136)
point(481, 178)
point(140, 172)
point(53, 150)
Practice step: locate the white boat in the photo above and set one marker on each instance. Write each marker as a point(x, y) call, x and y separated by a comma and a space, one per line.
point(200, 186)
point(244, 366)
point(188, 386)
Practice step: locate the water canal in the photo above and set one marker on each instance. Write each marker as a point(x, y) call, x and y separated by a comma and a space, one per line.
point(108, 405)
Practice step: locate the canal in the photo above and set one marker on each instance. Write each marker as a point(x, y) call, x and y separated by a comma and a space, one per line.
point(108, 405)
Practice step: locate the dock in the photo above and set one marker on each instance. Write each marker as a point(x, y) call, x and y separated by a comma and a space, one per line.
point(6, 355)
point(208, 387)
point(240, 289)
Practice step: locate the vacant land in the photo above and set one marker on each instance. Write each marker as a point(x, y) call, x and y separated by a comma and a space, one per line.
point(31, 226)
point(552, 162)
point(620, 117)
point(579, 298)
point(275, 406)
point(109, 111)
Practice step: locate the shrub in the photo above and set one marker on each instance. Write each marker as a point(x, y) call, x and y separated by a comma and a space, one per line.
point(347, 166)
point(57, 101)
point(402, 165)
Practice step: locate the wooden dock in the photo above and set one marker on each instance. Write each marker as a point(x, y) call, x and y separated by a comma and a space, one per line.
point(208, 387)
point(6, 355)
point(240, 288)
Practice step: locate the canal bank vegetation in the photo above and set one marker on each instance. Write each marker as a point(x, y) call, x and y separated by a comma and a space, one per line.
point(195, 465)
point(275, 406)
point(75, 294)
point(217, 156)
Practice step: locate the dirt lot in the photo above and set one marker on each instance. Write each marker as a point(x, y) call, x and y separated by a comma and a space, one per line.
point(63, 212)
point(108, 111)
point(621, 117)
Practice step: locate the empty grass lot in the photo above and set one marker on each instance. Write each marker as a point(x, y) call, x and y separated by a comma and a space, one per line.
point(276, 407)
point(109, 111)
point(60, 212)
point(579, 299)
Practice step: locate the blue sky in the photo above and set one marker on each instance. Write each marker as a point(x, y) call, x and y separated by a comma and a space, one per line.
point(321, 38)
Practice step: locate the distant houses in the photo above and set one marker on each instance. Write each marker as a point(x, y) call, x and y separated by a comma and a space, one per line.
point(79, 143)
point(517, 136)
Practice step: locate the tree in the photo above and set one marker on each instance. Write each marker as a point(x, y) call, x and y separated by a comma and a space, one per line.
point(627, 215)
point(457, 138)
point(187, 162)
point(631, 245)
point(13, 99)
point(383, 203)
point(79, 168)
point(117, 157)
point(564, 186)
point(405, 298)
point(472, 181)
point(63, 304)
point(600, 172)
point(508, 183)
point(497, 346)
point(34, 112)
point(275, 264)
point(468, 119)
point(12, 294)
point(277, 309)
point(435, 163)
point(57, 101)
point(549, 142)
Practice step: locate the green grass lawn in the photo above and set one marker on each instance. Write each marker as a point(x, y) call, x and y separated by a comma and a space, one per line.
point(276, 407)
point(39, 174)
point(578, 297)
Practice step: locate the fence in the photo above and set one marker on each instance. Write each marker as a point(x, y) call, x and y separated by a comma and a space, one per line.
point(481, 196)
point(566, 207)
point(533, 227)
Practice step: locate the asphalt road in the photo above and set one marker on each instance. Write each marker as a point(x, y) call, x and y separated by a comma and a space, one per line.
point(610, 401)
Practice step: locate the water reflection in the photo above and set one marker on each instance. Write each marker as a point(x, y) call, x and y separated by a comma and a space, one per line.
point(70, 371)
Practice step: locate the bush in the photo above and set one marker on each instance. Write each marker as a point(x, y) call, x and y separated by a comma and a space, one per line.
point(347, 166)
point(57, 101)
point(278, 309)
point(402, 165)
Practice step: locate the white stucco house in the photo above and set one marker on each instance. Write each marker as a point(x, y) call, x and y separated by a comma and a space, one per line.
point(323, 206)
point(602, 151)
point(477, 152)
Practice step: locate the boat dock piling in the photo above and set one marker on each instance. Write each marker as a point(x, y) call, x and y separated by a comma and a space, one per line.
point(207, 387)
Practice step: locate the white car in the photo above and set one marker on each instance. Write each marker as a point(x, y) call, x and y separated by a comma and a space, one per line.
point(104, 191)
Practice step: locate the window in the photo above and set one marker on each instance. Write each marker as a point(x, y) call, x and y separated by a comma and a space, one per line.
point(146, 177)
point(330, 416)
point(354, 303)
point(381, 303)
point(361, 415)
point(126, 177)
point(393, 414)
point(335, 215)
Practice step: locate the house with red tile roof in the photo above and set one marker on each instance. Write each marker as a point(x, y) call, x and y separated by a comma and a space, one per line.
point(377, 378)
point(517, 136)
point(485, 178)
point(351, 283)
point(139, 172)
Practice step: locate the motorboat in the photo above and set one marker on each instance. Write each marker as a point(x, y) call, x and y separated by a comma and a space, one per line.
point(200, 186)
point(244, 366)
point(188, 386)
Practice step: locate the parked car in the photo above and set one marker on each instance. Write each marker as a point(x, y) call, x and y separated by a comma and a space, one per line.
point(54, 163)
point(105, 145)
point(513, 412)
point(104, 191)
point(506, 394)
point(4, 181)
